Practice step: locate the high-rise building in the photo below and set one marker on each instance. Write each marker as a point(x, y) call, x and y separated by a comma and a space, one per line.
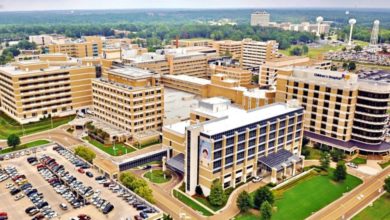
point(260, 18)
point(341, 111)
point(255, 53)
point(54, 86)
point(230, 144)
point(130, 99)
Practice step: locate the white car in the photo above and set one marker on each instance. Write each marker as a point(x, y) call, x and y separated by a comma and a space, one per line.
point(257, 179)
point(353, 165)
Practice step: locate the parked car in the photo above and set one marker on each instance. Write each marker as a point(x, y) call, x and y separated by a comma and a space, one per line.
point(257, 179)
point(63, 206)
point(89, 174)
point(80, 170)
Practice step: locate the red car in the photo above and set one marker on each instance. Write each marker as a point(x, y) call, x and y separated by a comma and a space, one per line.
point(84, 217)
point(80, 170)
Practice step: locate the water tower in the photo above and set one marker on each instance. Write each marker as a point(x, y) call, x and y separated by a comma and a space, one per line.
point(375, 33)
point(352, 22)
point(319, 21)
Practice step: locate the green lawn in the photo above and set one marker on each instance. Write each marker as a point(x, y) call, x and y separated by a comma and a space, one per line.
point(120, 149)
point(299, 201)
point(157, 176)
point(247, 216)
point(380, 210)
point(385, 164)
point(359, 160)
point(206, 202)
point(191, 203)
point(313, 52)
point(25, 146)
point(313, 192)
point(9, 126)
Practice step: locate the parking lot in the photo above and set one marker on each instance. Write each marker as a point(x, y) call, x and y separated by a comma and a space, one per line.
point(16, 209)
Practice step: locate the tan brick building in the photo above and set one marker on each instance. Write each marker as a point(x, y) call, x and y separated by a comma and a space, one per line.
point(341, 110)
point(228, 47)
point(33, 89)
point(89, 46)
point(255, 53)
point(130, 99)
point(230, 144)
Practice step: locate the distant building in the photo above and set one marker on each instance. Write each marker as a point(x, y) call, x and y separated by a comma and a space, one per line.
point(89, 46)
point(228, 47)
point(255, 53)
point(268, 72)
point(260, 18)
point(194, 42)
point(173, 62)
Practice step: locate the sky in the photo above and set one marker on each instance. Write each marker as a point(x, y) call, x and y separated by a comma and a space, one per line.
point(32, 5)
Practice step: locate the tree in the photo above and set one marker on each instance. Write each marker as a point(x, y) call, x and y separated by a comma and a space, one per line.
point(266, 210)
point(305, 49)
point(387, 184)
point(296, 51)
point(351, 66)
point(337, 155)
point(139, 186)
point(167, 217)
point(324, 160)
point(244, 201)
point(341, 172)
point(217, 194)
point(255, 79)
point(13, 140)
point(85, 153)
point(261, 195)
point(358, 48)
point(145, 192)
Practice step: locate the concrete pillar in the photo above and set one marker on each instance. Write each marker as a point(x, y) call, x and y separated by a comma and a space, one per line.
point(274, 173)
point(284, 170)
point(294, 167)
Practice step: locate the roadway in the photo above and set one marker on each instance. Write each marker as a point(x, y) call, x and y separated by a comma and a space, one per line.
point(351, 203)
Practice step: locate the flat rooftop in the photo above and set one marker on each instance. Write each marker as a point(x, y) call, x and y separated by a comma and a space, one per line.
point(236, 118)
point(174, 98)
point(13, 70)
point(189, 79)
point(178, 127)
point(132, 72)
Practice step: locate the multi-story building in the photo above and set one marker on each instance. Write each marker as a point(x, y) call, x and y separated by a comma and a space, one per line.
point(130, 99)
point(244, 77)
point(255, 53)
point(194, 42)
point(228, 47)
point(89, 46)
point(172, 62)
point(221, 85)
point(34, 89)
point(341, 110)
point(268, 72)
point(231, 144)
point(260, 18)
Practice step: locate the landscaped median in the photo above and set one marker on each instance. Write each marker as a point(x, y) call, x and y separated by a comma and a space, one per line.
point(24, 146)
point(379, 210)
point(117, 149)
point(9, 126)
point(158, 176)
point(191, 203)
point(301, 197)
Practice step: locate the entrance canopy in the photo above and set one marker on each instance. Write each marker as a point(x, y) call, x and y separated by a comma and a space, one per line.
point(177, 163)
point(279, 159)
